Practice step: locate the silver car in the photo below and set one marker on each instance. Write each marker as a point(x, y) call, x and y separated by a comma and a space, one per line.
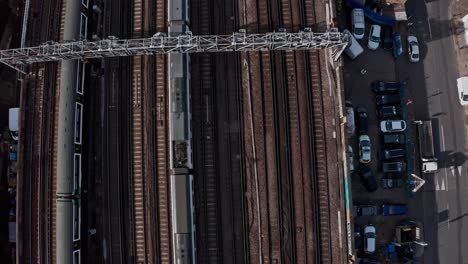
point(364, 149)
point(413, 49)
point(388, 126)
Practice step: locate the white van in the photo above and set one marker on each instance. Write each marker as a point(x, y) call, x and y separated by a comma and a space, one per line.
point(13, 123)
point(353, 49)
point(369, 239)
point(358, 24)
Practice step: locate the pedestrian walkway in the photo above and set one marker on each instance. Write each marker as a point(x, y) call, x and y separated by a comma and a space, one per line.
point(460, 10)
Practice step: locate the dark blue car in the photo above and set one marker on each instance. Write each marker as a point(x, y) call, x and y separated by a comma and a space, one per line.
point(397, 48)
point(394, 209)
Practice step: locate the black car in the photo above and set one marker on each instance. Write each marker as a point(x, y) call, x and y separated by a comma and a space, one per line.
point(395, 167)
point(388, 99)
point(368, 179)
point(389, 111)
point(381, 87)
point(358, 240)
point(387, 38)
point(362, 120)
point(388, 154)
point(394, 138)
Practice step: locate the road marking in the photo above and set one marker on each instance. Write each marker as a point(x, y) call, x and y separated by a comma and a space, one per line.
point(460, 168)
point(448, 214)
point(446, 175)
point(452, 170)
point(442, 137)
point(442, 188)
point(429, 26)
point(437, 186)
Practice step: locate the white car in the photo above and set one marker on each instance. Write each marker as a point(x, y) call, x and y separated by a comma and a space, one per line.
point(364, 149)
point(353, 49)
point(462, 86)
point(413, 49)
point(388, 126)
point(374, 37)
point(357, 22)
point(369, 239)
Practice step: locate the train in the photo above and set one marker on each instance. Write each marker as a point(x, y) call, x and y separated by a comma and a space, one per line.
point(70, 139)
point(180, 138)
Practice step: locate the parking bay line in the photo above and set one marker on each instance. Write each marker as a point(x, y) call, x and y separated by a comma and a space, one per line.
point(442, 136)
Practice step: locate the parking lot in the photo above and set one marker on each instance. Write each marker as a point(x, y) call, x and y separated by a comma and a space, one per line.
point(359, 74)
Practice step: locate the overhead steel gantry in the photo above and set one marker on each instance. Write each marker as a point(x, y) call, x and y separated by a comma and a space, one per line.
point(160, 43)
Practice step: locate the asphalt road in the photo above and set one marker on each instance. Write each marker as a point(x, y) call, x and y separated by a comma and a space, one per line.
point(444, 199)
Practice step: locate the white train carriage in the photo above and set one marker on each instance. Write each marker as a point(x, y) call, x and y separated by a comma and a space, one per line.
point(70, 135)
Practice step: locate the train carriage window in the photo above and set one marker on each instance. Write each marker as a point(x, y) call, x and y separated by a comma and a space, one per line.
point(85, 3)
point(83, 26)
point(80, 77)
point(76, 222)
point(78, 122)
point(77, 257)
point(77, 172)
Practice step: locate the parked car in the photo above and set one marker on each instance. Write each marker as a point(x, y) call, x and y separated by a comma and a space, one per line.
point(354, 49)
point(395, 138)
point(351, 158)
point(397, 47)
point(364, 149)
point(381, 87)
point(368, 178)
point(374, 37)
point(366, 210)
point(413, 49)
point(390, 183)
point(462, 88)
point(358, 24)
point(357, 238)
point(387, 37)
point(396, 166)
point(388, 99)
point(369, 239)
point(362, 120)
point(350, 115)
point(389, 126)
point(394, 209)
point(389, 111)
point(388, 154)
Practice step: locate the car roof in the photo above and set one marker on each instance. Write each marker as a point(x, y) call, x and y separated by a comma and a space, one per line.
point(375, 29)
point(462, 84)
point(371, 244)
point(369, 228)
point(364, 137)
point(396, 123)
point(412, 38)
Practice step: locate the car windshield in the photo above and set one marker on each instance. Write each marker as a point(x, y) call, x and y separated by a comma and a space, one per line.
point(465, 97)
point(375, 39)
point(370, 235)
point(359, 31)
point(388, 125)
point(415, 56)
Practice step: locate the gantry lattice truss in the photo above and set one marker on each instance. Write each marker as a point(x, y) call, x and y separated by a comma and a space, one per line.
point(160, 43)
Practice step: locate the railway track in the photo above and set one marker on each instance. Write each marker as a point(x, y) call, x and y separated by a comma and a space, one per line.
point(150, 221)
point(206, 177)
point(284, 129)
point(159, 98)
point(41, 123)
